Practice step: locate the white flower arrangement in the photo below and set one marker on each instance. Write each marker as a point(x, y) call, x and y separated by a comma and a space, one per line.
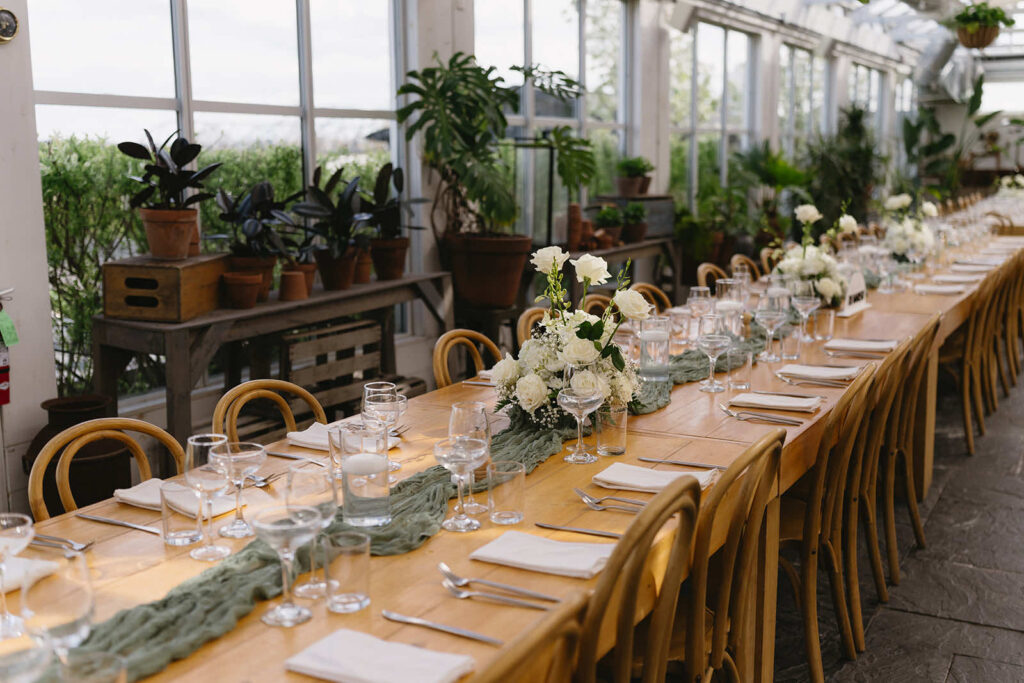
point(1012, 181)
point(530, 383)
point(814, 264)
point(905, 229)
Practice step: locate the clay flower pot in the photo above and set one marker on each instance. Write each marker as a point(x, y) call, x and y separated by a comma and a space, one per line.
point(487, 269)
point(336, 272)
point(169, 232)
point(364, 267)
point(575, 226)
point(645, 184)
point(293, 286)
point(389, 257)
point(241, 290)
point(634, 233)
point(628, 187)
point(308, 271)
point(261, 265)
point(614, 232)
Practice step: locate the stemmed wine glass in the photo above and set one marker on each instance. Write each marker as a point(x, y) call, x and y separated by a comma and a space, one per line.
point(713, 341)
point(806, 301)
point(58, 607)
point(16, 532)
point(208, 480)
point(239, 461)
point(460, 457)
point(469, 421)
point(580, 397)
point(286, 528)
point(313, 485)
point(772, 312)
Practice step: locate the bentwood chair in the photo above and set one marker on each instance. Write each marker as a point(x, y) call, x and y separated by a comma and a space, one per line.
point(72, 439)
point(596, 304)
point(470, 339)
point(527, 320)
point(708, 274)
point(811, 519)
point(228, 408)
point(744, 260)
point(654, 295)
point(769, 257)
point(626, 577)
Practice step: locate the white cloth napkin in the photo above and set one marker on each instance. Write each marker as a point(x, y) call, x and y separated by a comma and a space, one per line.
point(539, 554)
point(874, 345)
point(147, 495)
point(940, 289)
point(315, 435)
point(818, 372)
point(776, 402)
point(19, 571)
point(632, 478)
point(980, 261)
point(853, 309)
point(970, 268)
point(352, 657)
point(958, 279)
point(484, 374)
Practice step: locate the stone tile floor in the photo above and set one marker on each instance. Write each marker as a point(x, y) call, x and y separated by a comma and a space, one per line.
point(958, 613)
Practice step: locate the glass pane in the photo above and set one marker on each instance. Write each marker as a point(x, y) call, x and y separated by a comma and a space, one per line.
point(738, 46)
point(550, 198)
point(351, 44)
point(679, 165)
point(499, 36)
point(785, 92)
point(708, 166)
point(113, 125)
point(818, 96)
point(604, 55)
point(556, 46)
point(680, 77)
point(360, 145)
point(607, 146)
point(81, 47)
point(710, 74)
point(801, 93)
point(244, 51)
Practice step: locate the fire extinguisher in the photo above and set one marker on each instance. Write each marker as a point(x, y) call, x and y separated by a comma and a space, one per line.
point(5, 375)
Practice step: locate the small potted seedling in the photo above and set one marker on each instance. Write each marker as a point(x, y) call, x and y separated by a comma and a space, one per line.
point(633, 179)
point(634, 222)
point(609, 225)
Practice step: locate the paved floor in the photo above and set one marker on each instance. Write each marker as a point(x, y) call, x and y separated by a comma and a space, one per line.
point(958, 613)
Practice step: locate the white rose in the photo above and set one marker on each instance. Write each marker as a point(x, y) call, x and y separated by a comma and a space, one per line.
point(828, 288)
point(505, 370)
point(929, 209)
point(813, 265)
point(585, 382)
point(632, 304)
point(847, 223)
point(579, 351)
point(549, 259)
point(622, 388)
point(808, 213)
point(897, 202)
point(1019, 179)
point(592, 268)
point(531, 392)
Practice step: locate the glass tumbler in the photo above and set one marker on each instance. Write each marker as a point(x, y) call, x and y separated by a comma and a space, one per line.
point(177, 503)
point(654, 339)
point(347, 566)
point(506, 491)
point(610, 421)
point(823, 324)
point(789, 342)
point(740, 363)
point(364, 474)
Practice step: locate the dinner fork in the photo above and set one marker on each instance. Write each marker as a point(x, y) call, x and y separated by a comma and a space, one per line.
point(463, 594)
point(631, 501)
point(812, 382)
point(745, 415)
point(592, 503)
point(867, 355)
point(74, 545)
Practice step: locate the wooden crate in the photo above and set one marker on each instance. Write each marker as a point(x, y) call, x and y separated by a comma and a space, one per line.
point(333, 362)
point(144, 288)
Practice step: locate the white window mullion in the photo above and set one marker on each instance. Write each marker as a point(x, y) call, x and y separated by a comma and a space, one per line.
point(307, 122)
point(723, 172)
point(182, 67)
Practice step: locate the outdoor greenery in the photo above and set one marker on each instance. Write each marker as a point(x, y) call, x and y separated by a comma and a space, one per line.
point(981, 15)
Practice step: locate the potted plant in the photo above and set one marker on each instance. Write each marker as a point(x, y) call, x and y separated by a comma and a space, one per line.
point(609, 221)
point(458, 108)
point(634, 222)
point(978, 25)
point(337, 223)
point(388, 249)
point(164, 203)
point(632, 174)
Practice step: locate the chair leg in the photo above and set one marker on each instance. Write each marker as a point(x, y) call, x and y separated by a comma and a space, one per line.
point(1004, 379)
point(837, 584)
point(794, 579)
point(911, 493)
point(852, 575)
point(965, 406)
point(874, 549)
point(888, 503)
point(979, 408)
point(809, 611)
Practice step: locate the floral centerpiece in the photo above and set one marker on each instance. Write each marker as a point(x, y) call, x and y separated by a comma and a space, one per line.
point(905, 231)
point(1011, 185)
point(567, 334)
point(813, 263)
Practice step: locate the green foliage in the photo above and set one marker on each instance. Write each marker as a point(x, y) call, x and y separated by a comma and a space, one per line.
point(981, 15)
point(256, 218)
point(385, 209)
point(768, 167)
point(337, 221)
point(634, 213)
point(574, 160)
point(634, 167)
point(166, 180)
point(608, 217)
point(605, 147)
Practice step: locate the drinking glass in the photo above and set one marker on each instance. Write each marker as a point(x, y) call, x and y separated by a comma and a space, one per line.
point(16, 532)
point(94, 667)
point(610, 424)
point(653, 337)
point(468, 420)
point(506, 495)
point(771, 313)
point(58, 607)
point(238, 460)
point(365, 495)
point(347, 568)
point(286, 528)
point(789, 342)
point(805, 300)
point(699, 301)
point(178, 527)
point(680, 317)
point(743, 277)
point(197, 451)
point(25, 665)
point(580, 397)
point(460, 457)
point(208, 481)
point(726, 289)
point(386, 408)
point(713, 342)
point(824, 324)
point(312, 485)
point(739, 361)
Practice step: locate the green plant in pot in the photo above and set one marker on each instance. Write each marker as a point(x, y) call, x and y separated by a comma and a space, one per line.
point(609, 220)
point(338, 223)
point(977, 25)
point(633, 179)
point(165, 203)
point(634, 222)
point(389, 247)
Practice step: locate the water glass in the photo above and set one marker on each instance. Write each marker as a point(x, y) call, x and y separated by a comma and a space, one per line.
point(610, 424)
point(364, 474)
point(180, 528)
point(460, 457)
point(680, 317)
point(789, 342)
point(346, 560)
point(699, 301)
point(823, 324)
point(654, 339)
point(468, 420)
point(62, 623)
point(740, 362)
point(580, 397)
point(316, 486)
point(207, 481)
point(93, 667)
point(506, 491)
point(286, 528)
point(239, 461)
point(26, 664)
point(16, 532)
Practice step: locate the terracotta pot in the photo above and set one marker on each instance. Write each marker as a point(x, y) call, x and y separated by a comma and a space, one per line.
point(293, 286)
point(575, 231)
point(261, 265)
point(615, 232)
point(487, 270)
point(364, 267)
point(628, 187)
point(193, 245)
point(983, 37)
point(389, 257)
point(308, 271)
point(634, 233)
point(645, 184)
point(169, 232)
point(604, 240)
point(242, 290)
point(336, 273)
point(587, 231)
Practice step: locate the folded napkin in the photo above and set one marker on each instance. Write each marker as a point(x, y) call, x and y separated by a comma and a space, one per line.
point(872, 345)
point(958, 279)
point(940, 289)
point(484, 374)
point(20, 571)
point(632, 478)
point(970, 268)
point(818, 372)
point(315, 435)
point(539, 554)
point(147, 495)
point(352, 657)
point(980, 261)
point(775, 402)
point(853, 309)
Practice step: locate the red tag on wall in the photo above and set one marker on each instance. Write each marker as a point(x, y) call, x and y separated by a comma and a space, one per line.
point(5, 386)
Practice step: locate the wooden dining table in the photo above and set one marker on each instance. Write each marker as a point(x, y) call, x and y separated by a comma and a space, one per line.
point(130, 567)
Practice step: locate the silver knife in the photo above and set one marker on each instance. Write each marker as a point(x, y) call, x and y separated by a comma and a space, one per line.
point(783, 393)
point(118, 522)
point(296, 456)
point(478, 384)
point(579, 530)
point(453, 630)
point(703, 465)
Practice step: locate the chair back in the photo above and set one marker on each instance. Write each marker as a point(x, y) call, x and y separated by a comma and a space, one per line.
point(471, 340)
point(228, 408)
point(744, 260)
point(524, 326)
point(914, 372)
point(626, 575)
point(74, 438)
point(768, 259)
point(708, 273)
point(654, 295)
point(595, 304)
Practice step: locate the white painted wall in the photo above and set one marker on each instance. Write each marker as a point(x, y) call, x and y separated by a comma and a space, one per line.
point(22, 262)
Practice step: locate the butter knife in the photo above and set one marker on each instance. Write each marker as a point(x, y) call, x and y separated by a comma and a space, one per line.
point(579, 530)
point(295, 456)
point(684, 463)
point(783, 393)
point(452, 630)
point(118, 522)
point(473, 383)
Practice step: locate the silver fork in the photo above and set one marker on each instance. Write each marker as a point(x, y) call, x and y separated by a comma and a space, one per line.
point(492, 597)
point(745, 415)
point(586, 496)
point(592, 503)
point(812, 382)
point(61, 543)
point(866, 355)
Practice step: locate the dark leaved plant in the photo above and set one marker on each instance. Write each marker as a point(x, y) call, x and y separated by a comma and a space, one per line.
point(166, 180)
point(256, 217)
point(634, 214)
point(338, 221)
point(384, 208)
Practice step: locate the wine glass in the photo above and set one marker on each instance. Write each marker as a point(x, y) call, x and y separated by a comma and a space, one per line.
point(580, 397)
point(805, 300)
point(699, 301)
point(16, 532)
point(208, 480)
point(770, 314)
point(713, 341)
point(58, 607)
point(286, 528)
point(468, 420)
point(239, 461)
point(313, 485)
point(460, 457)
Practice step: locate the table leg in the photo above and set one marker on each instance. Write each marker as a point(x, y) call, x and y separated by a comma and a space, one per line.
point(766, 601)
point(388, 364)
point(924, 427)
point(107, 364)
point(179, 390)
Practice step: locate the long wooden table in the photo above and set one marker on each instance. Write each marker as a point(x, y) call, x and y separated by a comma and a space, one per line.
point(132, 568)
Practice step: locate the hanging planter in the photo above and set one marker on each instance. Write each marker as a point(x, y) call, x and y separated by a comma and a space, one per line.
point(978, 25)
point(982, 37)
